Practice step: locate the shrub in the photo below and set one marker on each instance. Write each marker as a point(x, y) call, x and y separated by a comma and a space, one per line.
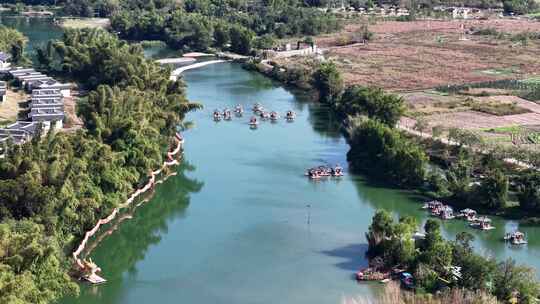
point(499, 109)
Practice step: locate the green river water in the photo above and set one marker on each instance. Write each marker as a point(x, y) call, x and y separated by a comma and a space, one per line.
point(241, 224)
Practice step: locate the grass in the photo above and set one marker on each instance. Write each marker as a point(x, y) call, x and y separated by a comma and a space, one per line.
point(499, 109)
point(533, 81)
point(507, 129)
point(534, 138)
point(500, 71)
point(77, 23)
point(393, 294)
point(5, 122)
point(435, 92)
point(454, 104)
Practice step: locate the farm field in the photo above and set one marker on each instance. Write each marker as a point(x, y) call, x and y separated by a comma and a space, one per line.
point(419, 59)
point(425, 54)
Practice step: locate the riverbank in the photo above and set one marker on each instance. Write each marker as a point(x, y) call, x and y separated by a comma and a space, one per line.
point(443, 154)
point(87, 270)
point(99, 168)
point(186, 238)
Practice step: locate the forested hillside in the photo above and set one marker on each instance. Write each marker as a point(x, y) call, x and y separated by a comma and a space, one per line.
point(105, 8)
point(54, 188)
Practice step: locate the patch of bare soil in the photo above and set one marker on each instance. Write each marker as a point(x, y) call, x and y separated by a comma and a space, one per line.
point(10, 109)
point(72, 121)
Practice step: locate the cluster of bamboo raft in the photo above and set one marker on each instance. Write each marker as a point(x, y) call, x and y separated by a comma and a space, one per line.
point(88, 268)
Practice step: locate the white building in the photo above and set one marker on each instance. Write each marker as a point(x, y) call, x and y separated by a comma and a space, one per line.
point(50, 117)
point(64, 88)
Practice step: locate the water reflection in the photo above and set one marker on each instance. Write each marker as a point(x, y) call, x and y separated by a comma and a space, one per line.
point(119, 253)
point(38, 30)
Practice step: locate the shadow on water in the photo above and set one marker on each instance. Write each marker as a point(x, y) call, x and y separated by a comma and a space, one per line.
point(353, 256)
point(248, 85)
point(118, 254)
point(324, 121)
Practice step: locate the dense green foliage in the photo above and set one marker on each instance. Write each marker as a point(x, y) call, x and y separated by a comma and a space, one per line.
point(484, 182)
point(105, 8)
point(54, 188)
point(328, 82)
point(30, 267)
point(529, 191)
point(385, 152)
point(201, 24)
point(434, 261)
point(241, 39)
point(526, 89)
point(12, 42)
point(373, 102)
point(520, 7)
point(457, 174)
point(97, 57)
point(493, 190)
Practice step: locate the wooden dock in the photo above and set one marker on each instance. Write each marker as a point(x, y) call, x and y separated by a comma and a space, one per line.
point(94, 279)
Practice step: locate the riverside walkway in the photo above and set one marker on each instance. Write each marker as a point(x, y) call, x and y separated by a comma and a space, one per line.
point(177, 72)
point(181, 60)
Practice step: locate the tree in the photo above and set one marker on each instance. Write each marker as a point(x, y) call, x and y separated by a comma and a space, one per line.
point(438, 264)
point(512, 281)
point(433, 234)
point(189, 31)
point(241, 39)
point(385, 152)
point(493, 190)
point(264, 42)
point(363, 34)
point(309, 40)
point(221, 35)
point(421, 125)
point(519, 7)
point(437, 131)
point(328, 81)
point(529, 191)
point(406, 251)
point(56, 186)
point(464, 137)
point(438, 183)
point(13, 43)
point(373, 102)
point(391, 241)
point(30, 271)
point(381, 228)
point(459, 177)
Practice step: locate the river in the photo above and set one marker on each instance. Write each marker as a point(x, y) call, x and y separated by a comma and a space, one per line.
point(241, 224)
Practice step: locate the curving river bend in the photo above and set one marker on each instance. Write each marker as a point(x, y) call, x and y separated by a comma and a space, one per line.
point(232, 226)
